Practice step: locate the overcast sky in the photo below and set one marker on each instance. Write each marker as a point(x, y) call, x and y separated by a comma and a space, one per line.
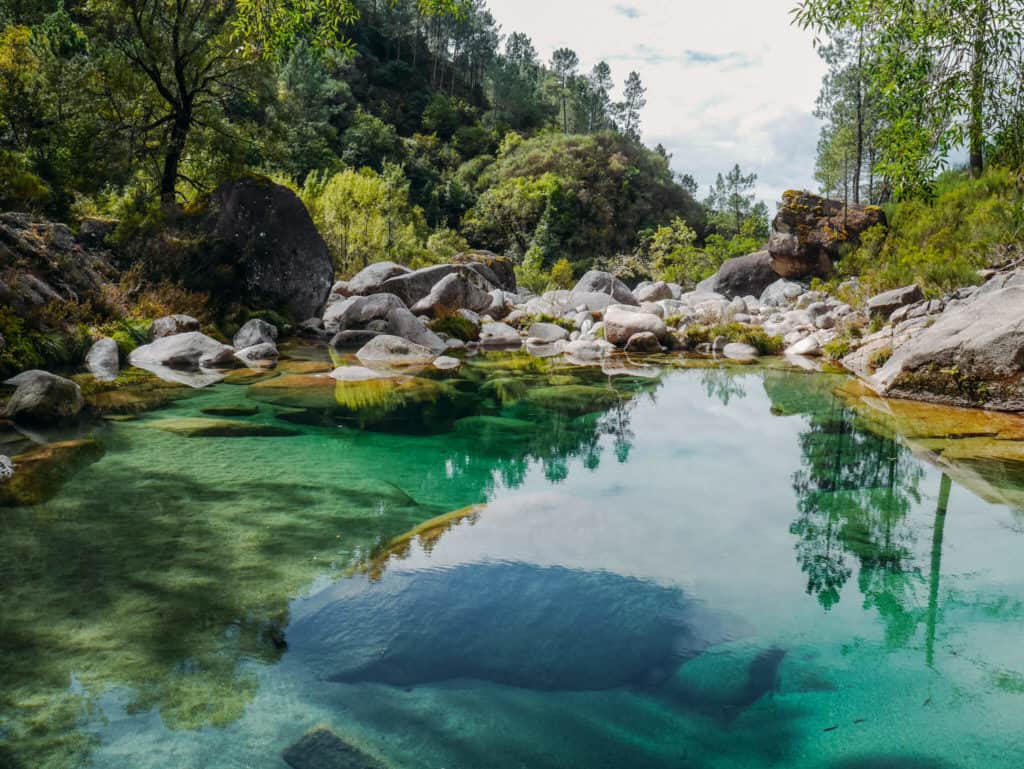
point(727, 80)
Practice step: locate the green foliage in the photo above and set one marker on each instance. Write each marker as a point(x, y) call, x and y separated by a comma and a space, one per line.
point(696, 334)
point(365, 217)
point(575, 197)
point(971, 224)
point(838, 348)
point(561, 274)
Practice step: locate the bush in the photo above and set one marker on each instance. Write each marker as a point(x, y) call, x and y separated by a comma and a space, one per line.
point(755, 336)
point(972, 224)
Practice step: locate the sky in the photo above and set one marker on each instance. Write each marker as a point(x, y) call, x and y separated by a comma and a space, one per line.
point(728, 81)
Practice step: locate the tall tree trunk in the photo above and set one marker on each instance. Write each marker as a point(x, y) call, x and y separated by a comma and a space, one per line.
point(859, 150)
point(976, 128)
point(172, 159)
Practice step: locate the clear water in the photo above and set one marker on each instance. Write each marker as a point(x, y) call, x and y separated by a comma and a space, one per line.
point(705, 568)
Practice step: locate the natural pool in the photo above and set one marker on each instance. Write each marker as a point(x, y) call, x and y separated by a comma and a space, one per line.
point(522, 564)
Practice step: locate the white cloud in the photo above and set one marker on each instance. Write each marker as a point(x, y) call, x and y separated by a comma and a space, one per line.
point(730, 81)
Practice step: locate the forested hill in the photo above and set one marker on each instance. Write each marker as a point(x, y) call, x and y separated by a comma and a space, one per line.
point(417, 129)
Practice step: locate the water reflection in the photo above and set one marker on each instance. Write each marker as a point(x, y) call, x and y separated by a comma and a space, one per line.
point(854, 490)
point(167, 574)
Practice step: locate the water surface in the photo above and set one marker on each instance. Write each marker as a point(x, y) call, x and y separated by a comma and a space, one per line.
point(520, 564)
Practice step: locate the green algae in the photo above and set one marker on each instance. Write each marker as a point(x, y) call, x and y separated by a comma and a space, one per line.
point(574, 399)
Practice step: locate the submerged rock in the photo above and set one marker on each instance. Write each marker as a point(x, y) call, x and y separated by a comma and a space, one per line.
point(574, 399)
point(511, 623)
point(230, 411)
point(321, 749)
point(198, 427)
point(42, 397)
point(40, 473)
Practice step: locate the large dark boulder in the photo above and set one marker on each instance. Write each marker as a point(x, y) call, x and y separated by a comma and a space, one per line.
point(810, 232)
point(746, 275)
point(263, 236)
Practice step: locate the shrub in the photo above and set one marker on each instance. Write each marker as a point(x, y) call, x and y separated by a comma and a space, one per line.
point(971, 224)
point(766, 344)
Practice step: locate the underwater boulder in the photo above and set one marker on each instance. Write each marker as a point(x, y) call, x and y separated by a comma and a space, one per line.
point(322, 749)
point(544, 628)
point(39, 473)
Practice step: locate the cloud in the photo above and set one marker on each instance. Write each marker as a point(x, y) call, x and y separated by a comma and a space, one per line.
point(728, 82)
point(629, 11)
point(733, 59)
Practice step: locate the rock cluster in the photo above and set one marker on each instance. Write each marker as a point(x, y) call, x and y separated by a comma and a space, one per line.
point(964, 350)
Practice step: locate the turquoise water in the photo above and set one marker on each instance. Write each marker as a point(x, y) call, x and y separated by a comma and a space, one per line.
point(683, 567)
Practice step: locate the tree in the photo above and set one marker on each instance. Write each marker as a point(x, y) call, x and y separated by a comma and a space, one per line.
point(937, 68)
point(633, 102)
point(848, 106)
point(731, 201)
point(189, 57)
point(564, 63)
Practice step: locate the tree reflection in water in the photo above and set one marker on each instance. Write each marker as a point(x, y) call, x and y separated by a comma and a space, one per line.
point(854, 491)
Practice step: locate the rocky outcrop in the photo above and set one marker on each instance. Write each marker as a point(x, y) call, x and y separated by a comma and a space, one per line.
point(264, 235)
point(809, 232)
point(43, 398)
point(498, 270)
point(41, 262)
point(746, 275)
point(972, 355)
